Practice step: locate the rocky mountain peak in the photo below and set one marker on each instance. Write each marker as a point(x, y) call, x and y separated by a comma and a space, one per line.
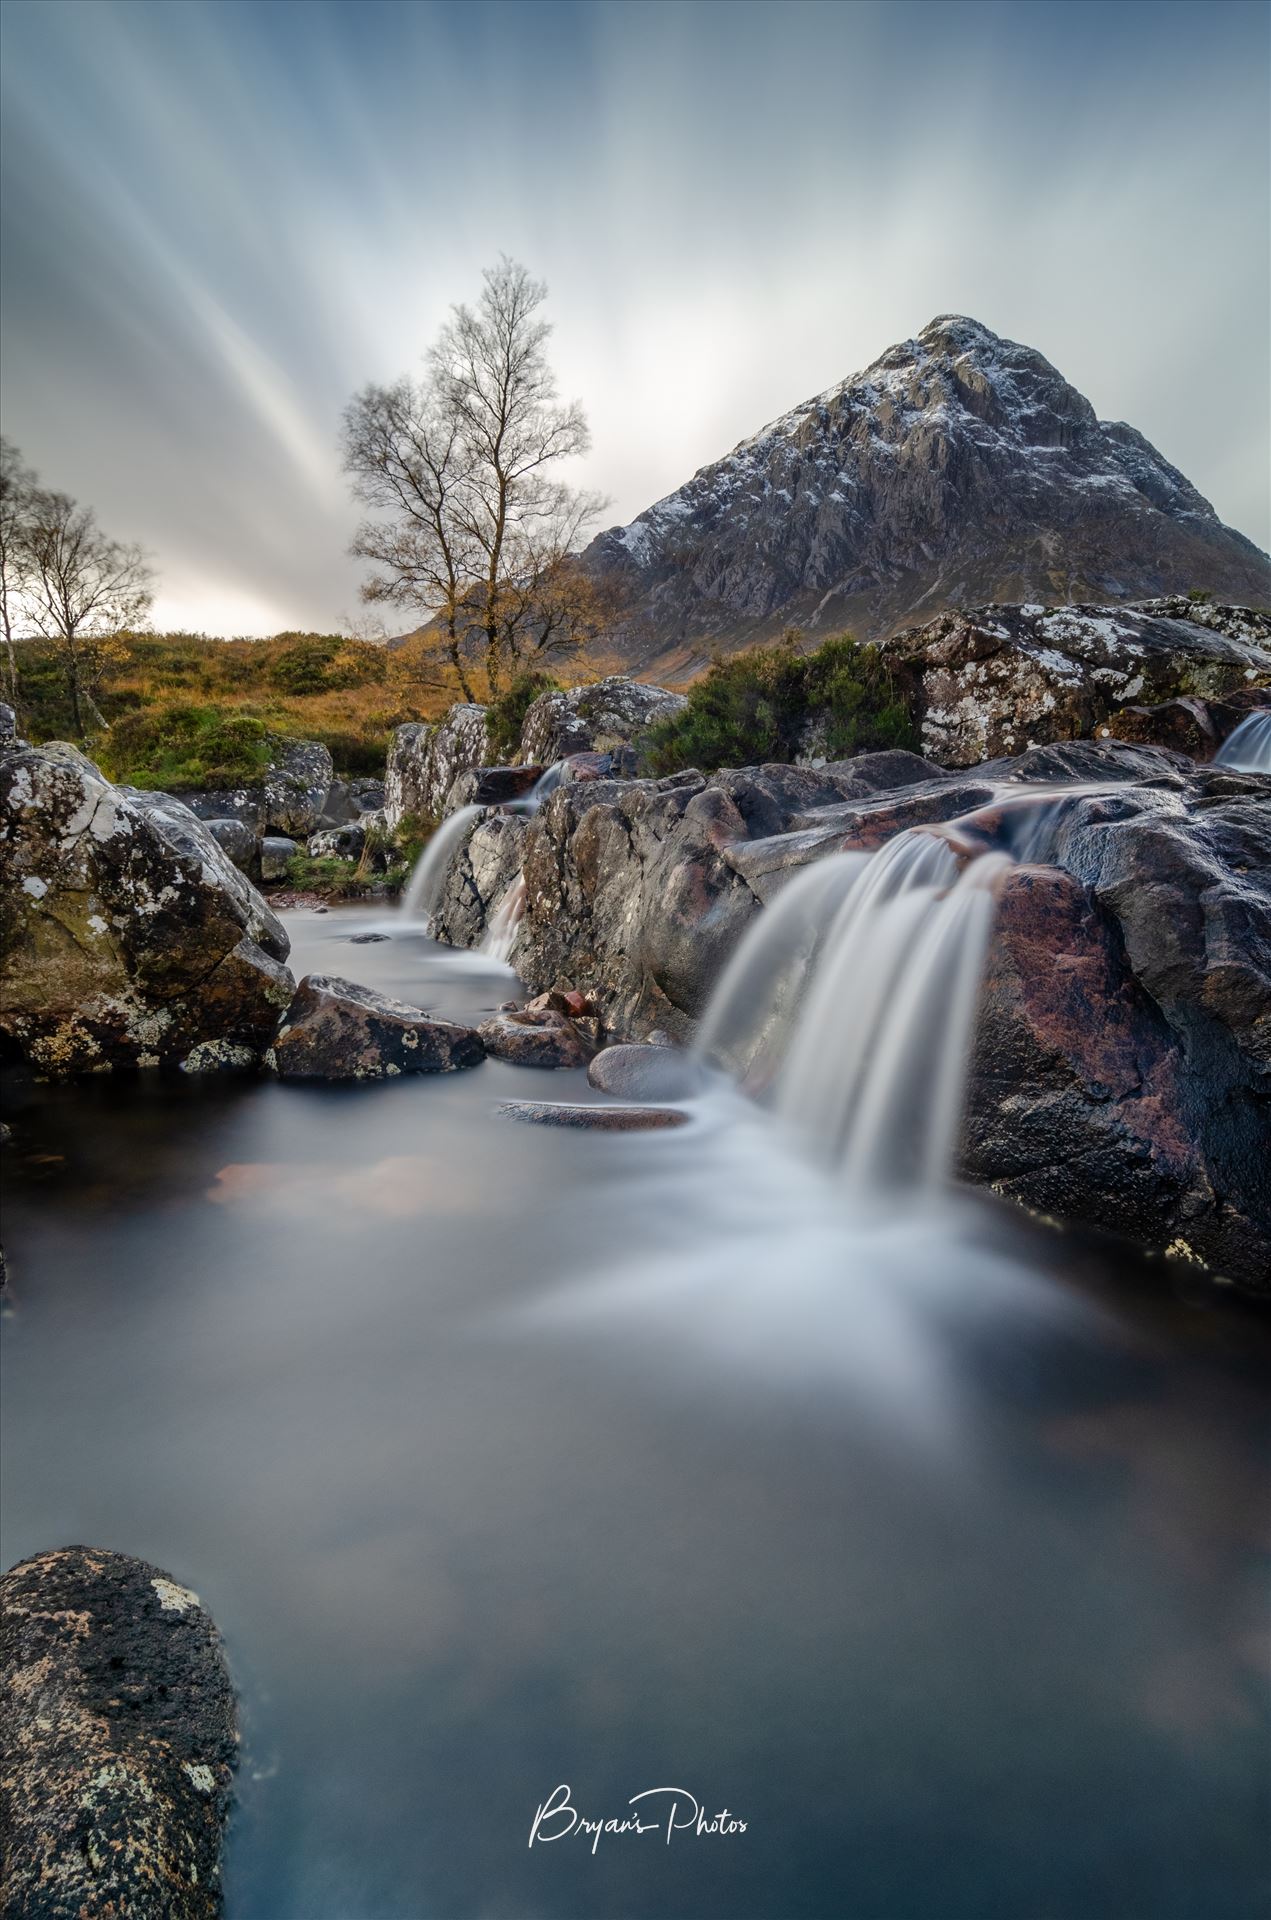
point(959, 467)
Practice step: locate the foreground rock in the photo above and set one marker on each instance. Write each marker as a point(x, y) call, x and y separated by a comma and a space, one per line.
point(645, 1073)
point(117, 1742)
point(337, 1030)
point(1003, 678)
point(129, 938)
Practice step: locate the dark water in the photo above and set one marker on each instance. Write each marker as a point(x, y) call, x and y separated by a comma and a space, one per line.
point(507, 1457)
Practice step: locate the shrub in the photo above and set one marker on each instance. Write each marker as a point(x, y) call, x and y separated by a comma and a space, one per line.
point(186, 746)
point(505, 715)
point(760, 705)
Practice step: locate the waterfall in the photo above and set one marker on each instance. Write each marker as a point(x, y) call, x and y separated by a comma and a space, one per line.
point(422, 892)
point(851, 1003)
point(504, 921)
point(1248, 748)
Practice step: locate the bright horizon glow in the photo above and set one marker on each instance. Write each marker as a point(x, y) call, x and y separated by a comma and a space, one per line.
point(222, 219)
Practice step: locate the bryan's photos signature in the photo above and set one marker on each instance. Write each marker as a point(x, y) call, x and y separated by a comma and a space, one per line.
point(663, 1810)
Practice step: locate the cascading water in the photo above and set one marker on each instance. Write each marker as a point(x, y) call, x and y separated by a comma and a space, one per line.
point(852, 1000)
point(1248, 748)
point(422, 893)
point(504, 922)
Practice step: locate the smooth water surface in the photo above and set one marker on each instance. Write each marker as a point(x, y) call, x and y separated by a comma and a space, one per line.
point(506, 1457)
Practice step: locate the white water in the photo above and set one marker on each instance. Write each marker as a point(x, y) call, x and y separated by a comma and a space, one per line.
point(504, 922)
point(423, 890)
point(1248, 748)
point(853, 998)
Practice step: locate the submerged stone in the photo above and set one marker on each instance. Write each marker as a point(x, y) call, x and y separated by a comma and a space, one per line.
point(547, 1113)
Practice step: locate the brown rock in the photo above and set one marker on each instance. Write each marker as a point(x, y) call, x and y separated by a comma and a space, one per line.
point(338, 1030)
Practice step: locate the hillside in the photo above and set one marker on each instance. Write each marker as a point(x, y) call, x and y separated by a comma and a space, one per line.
point(959, 469)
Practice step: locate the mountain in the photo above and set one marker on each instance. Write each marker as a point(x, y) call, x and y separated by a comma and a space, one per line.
point(958, 469)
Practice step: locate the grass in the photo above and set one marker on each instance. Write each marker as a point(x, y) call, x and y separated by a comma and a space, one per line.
point(183, 707)
point(759, 705)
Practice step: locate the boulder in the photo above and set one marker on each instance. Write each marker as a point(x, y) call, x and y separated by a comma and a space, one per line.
point(296, 786)
point(425, 761)
point(118, 1740)
point(337, 1030)
point(366, 794)
point(276, 854)
point(1188, 724)
point(338, 843)
point(597, 719)
point(482, 871)
point(236, 840)
point(128, 935)
point(288, 800)
point(1001, 678)
point(8, 727)
point(536, 1039)
point(646, 1073)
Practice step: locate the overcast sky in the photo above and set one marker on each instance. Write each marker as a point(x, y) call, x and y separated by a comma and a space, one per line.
point(220, 219)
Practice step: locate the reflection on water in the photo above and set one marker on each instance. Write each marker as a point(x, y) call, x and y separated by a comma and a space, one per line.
point(507, 1457)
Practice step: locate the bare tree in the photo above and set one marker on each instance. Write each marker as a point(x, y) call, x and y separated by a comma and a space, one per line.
point(459, 468)
point(82, 592)
point(17, 491)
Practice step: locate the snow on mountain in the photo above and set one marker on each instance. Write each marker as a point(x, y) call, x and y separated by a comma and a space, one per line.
point(959, 468)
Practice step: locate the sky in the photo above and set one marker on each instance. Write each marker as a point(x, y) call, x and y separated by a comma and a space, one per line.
point(223, 217)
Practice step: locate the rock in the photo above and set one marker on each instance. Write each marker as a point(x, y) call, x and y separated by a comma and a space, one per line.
point(276, 853)
point(646, 1073)
point(535, 1040)
point(337, 1030)
point(493, 786)
point(596, 719)
point(289, 799)
point(425, 761)
point(128, 936)
point(1084, 1105)
point(367, 939)
point(545, 1113)
point(237, 841)
point(338, 843)
point(960, 469)
point(119, 1741)
point(1188, 725)
point(8, 727)
point(296, 787)
point(482, 871)
point(367, 794)
point(1003, 678)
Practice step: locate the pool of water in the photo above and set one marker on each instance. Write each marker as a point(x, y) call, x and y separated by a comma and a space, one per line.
point(510, 1458)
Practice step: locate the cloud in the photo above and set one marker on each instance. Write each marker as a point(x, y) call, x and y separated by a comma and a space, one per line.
point(223, 218)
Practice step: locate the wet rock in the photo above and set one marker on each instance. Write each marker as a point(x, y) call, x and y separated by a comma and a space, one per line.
point(1002, 678)
point(128, 936)
point(276, 853)
point(542, 1039)
point(493, 786)
point(1187, 725)
point(424, 762)
point(545, 1113)
point(483, 869)
point(645, 1073)
point(337, 1030)
point(237, 841)
point(338, 843)
point(118, 1744)
point(612, 714)
point(367, 939)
